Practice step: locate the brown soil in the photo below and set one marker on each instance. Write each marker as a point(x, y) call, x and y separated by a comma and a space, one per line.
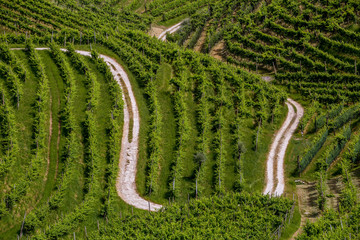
point(355, 176)
point(334, 189)
point(198, 46)
point(218, 50)
point(307, 197)
point(155, 31)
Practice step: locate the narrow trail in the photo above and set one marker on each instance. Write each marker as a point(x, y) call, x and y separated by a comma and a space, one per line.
point(58, 146)
point(275, 183)
point(49, 141)
point(125, 183)
point(170, 30)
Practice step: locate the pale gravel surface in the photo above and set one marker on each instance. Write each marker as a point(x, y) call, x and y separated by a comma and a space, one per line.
point(278, 149)
point(272, 154)
point(170, 30)
point(282, 150)
point(125, 183)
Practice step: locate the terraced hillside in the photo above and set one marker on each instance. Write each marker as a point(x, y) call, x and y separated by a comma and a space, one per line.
point(59, 114)
point(101, 121)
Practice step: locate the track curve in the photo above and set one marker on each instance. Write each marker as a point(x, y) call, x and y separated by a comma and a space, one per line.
point(125, 183)
point(278, 148)
point(170, 30)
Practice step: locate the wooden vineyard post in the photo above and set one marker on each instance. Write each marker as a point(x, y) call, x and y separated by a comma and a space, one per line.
point(355, 67)
point(196, 188)
point(278, 62)
point(325, 66)
point(86, 233)
point(22, 225)
point(209, 44)
point(256, 64)
point(220, 127)
point(94, 37)
point(173, 185)
point(274, 67)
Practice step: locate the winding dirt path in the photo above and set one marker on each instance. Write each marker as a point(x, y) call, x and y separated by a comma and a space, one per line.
point(170, 30)
point(125, 183)
point(275, 183)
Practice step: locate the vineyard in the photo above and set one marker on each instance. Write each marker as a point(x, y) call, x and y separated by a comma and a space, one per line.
point(179, 119)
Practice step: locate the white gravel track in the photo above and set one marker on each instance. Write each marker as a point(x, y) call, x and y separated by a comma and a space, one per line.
point(125, 183)
point(170, 30)
point(278, 148)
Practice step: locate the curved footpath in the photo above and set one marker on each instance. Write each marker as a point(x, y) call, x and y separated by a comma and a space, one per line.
point(275, 183)
point(275, 160)
point(170, 30)
point(125, 183)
